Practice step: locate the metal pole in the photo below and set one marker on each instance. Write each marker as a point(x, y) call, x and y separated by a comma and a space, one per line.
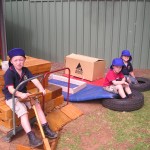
point(48, 73)
point(2, 30)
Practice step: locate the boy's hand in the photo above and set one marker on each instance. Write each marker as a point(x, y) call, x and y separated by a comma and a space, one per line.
point(24, 95)
point(43, 91)
point(126, 83)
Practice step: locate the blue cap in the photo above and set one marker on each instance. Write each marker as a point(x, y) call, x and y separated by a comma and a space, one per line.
point(126, 53)
point(16, 52)
point(117, 62)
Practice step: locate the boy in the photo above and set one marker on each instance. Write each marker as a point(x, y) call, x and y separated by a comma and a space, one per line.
point(15, 74)
point(128, 69)
point(115, 80)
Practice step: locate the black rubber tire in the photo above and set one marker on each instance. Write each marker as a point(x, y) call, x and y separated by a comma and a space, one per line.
point(144, 84)
point(129, 104)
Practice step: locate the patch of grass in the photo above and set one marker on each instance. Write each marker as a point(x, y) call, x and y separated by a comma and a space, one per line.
point(130, 129)
point(69, 142)
point(133, 127)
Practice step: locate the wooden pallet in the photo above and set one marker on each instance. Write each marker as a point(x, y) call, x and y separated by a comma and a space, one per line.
point(60, 117)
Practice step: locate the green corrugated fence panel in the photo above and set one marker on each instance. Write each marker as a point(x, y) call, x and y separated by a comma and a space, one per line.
point(52, 29)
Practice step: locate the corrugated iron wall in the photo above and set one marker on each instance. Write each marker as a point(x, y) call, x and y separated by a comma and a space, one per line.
point(52, 29)
point(3, 44)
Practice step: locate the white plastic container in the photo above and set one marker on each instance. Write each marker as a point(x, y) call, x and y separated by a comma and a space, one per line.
point(4, 65)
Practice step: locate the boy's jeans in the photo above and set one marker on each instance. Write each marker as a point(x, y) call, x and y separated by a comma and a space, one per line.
point(131, 79)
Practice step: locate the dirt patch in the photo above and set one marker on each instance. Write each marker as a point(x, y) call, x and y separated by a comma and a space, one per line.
point(91, 128)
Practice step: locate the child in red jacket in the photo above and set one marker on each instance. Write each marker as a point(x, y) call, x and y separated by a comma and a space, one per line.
point(115, 81)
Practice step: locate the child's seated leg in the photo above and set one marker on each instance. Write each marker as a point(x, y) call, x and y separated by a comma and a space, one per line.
point(118, 89)
point(33, 139)
point(128, 90)
point(48, 132)
point(121, 91)
point(133, 80)
point(22, 113)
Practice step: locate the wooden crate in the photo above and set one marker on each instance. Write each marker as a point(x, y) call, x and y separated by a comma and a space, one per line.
point(9, 123)
point(50, 105)
point(59, 100)
point(52, 92)
point(5, 111)
point(30, 85)
point(35, 65)
point(56, 90)
point(1, 87)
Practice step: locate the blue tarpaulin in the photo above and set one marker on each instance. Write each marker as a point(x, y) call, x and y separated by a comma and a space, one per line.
point(90, 92)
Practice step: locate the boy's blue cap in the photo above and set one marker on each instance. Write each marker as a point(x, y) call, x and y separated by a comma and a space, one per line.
point(117, 62)
point(126, 53)
point(16, 52)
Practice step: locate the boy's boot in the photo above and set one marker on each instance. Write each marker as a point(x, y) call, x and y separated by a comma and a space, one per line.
point(48, 132)
point(33, 140)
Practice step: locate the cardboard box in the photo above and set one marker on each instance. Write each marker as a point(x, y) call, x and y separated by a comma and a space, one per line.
point(85, 67)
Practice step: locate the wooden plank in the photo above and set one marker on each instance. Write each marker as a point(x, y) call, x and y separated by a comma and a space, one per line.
point(30, 85)
point(52, 92)
point(35, 65)
point(38, 65)
point(57, 119)
point(9, 123)
point(59, 100)
point(56, 90)
point(1, 87)
point(5, 111)
point(23, 147)
point(1, 94)
point(71, 111)
point(50, 105)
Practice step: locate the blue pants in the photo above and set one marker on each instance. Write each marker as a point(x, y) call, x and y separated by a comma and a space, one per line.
point(131, 79)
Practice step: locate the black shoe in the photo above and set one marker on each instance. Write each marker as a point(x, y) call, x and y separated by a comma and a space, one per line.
point(33, 140)
point(48, 132)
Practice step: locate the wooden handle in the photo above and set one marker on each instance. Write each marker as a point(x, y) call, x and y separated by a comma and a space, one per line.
point(36, 95)
point(30, 97)
point(45, 140)
point(39, 123)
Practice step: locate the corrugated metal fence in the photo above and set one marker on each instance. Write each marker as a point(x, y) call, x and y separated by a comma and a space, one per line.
point(52, 29)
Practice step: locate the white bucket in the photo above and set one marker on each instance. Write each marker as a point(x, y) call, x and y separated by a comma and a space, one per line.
point(4, 65)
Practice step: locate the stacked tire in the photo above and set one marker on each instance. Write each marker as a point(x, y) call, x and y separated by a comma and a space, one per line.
point(143, 84)
point(129, 104)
